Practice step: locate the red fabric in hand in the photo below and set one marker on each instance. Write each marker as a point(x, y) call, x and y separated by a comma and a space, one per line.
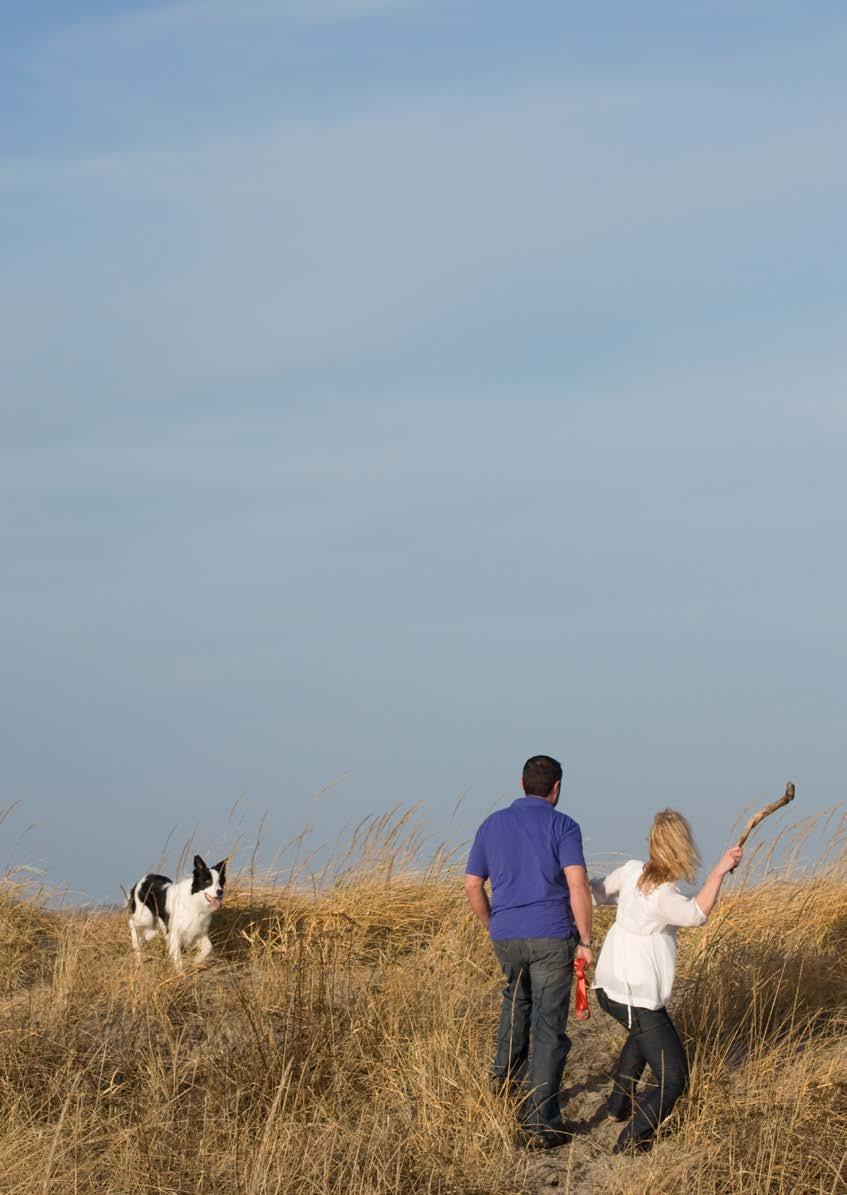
point(580, 1000)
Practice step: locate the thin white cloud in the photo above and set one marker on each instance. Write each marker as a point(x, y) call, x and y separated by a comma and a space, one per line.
point(790, 388)
point(165, 20)
point(336, 237)
point(234, 257)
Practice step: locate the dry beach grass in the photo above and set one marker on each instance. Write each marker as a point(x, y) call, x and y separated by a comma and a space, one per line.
point(338, 1041)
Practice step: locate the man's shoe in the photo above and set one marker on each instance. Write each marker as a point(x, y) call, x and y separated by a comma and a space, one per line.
point(544, 1140)
point(631, 1145)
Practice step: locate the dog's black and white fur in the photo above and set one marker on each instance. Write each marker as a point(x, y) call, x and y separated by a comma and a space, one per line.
point(180, 912)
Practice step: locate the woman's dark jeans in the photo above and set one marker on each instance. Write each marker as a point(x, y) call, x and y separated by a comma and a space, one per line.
point(535, 1011)
point(652, 1041)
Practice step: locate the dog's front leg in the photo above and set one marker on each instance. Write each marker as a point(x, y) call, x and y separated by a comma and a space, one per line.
point(175, 950)
point(136, 947)
point(204, 948)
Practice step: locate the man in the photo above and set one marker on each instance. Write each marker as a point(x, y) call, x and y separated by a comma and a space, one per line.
point(539, 919)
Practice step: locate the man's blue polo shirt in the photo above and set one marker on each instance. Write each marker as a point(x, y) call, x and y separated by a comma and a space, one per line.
point(522, 850)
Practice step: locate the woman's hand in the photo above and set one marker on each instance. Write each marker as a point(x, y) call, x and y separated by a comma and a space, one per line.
point(708, 894)
point(730, 859)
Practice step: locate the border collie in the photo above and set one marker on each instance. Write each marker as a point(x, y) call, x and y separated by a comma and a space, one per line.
point(180, 912)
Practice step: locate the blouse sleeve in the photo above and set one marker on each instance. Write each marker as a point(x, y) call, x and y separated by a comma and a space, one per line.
point(678, 909)
point(605, 892)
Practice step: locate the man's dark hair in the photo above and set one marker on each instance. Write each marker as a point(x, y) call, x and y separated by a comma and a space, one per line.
point(540, 773)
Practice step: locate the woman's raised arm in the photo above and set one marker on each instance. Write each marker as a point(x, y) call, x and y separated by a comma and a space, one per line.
point(708, 894)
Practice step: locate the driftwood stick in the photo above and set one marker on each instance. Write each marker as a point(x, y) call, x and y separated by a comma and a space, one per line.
point(766, 812)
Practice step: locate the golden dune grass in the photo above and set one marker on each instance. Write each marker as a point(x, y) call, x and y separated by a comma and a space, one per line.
point(339, 1041)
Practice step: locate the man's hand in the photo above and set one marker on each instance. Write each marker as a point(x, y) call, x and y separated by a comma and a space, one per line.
point(478, 898)
point(576, 878)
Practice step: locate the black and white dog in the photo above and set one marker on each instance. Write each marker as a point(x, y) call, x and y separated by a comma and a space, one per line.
point(180, 912)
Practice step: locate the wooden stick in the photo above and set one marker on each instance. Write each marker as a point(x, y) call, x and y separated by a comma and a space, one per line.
point(766, 812)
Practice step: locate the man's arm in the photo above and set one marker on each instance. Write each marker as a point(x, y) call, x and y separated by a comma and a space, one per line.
point(577, 880)
point(478, 898)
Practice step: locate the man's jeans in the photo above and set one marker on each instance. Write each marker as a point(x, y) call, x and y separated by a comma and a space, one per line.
point(652, 1040)
point(535, 1012)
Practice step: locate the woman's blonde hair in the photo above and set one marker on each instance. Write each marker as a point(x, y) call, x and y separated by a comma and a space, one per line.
point(673, 855)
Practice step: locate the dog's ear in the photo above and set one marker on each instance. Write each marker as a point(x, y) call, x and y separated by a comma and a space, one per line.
point(220, 868)
point(199, 865)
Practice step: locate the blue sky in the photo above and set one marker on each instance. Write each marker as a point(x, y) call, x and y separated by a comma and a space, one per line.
point(393, 390)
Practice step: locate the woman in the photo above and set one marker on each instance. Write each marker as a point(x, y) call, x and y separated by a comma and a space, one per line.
point(635, 970)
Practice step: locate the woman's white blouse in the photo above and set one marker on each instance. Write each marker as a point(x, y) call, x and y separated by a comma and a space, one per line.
point(638, 960)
